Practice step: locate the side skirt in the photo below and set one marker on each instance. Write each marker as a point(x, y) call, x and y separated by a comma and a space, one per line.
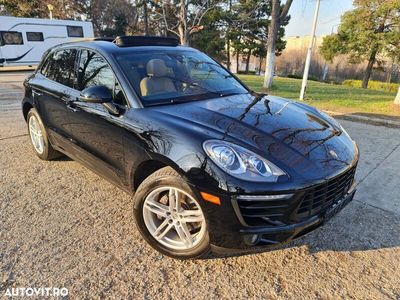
point(71, 150)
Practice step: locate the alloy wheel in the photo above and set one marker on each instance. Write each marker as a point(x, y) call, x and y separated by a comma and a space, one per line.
point(174, 218)
point(36, 134)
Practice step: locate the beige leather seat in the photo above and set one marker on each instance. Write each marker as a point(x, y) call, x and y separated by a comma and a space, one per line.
point(157, 81)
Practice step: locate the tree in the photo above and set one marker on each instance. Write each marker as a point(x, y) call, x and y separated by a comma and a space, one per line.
point(184, 17)
point(279, 18)
point(248, 28)
point(260, 51)
point(144, 5)
point(211, 39)
point(368, 32)
point(110, 17)
point(228, 18)
point(254, 19)
point(63, 9)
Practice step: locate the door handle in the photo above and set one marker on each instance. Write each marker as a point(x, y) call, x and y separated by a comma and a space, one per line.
point(72, 107)
point(36, 93)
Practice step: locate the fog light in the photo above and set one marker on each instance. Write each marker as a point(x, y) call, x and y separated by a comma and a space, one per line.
point(251, 239)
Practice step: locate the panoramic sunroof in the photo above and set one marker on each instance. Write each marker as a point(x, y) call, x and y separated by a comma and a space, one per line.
point(132, 41)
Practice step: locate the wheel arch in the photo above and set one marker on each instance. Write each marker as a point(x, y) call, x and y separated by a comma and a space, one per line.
point(27, 105)
point(148, 167)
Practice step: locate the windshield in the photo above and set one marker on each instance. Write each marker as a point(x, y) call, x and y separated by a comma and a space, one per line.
point(160, 76)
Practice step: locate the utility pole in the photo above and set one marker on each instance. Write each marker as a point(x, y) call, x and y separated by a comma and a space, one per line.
point(145, 18)
point(309, 52)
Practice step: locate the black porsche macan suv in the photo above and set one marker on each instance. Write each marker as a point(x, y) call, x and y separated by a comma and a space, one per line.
point(211, 165)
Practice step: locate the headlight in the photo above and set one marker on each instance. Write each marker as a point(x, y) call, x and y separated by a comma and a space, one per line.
point(240, 162)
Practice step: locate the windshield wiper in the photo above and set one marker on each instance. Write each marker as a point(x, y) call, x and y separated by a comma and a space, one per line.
point(232, 93)
point(212, 69)
point(196, 85)
point(194, 97)
point(190, 98)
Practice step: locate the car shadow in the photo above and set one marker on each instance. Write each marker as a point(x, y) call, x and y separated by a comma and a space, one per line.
point(358, 227)
point(63, 158)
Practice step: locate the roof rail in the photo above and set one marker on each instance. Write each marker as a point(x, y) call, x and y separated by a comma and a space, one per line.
point(91, 39)
point(104, 38)
point(132, 41)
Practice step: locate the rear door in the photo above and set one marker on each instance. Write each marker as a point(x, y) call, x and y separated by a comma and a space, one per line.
point(96, 132)
point(52, 89)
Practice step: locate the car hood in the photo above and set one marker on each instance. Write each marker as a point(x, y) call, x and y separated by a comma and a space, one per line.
point(290, 134)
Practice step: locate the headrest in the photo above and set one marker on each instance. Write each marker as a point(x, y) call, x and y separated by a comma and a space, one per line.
point(156, 68)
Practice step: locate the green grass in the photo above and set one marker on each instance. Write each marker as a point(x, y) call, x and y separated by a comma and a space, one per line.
point(338, 98)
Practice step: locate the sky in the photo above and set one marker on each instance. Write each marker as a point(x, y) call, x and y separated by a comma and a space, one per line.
point(302, 13)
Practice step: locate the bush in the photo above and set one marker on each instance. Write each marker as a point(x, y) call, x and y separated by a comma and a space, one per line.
point(312, 78)
point(248, 72)
point(374, 85)
point(294, 76)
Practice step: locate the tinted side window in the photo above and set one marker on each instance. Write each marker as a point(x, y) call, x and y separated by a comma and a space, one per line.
point(34, 36)
point(94, 70)
point(75, 31)
point(60, 66)
point(11, 38)
point(46, 63)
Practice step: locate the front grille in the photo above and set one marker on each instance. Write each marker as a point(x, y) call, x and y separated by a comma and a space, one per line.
point(322, 196)
point(291, 208)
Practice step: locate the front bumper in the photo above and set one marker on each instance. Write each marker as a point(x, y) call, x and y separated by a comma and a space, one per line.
point(253, 239)
point(258, 221)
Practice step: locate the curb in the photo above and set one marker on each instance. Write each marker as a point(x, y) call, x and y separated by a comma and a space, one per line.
point(363, 119)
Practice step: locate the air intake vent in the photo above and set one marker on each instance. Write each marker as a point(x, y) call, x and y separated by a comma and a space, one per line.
point(262, 210)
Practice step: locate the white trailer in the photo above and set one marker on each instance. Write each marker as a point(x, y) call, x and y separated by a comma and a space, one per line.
point(23, 41)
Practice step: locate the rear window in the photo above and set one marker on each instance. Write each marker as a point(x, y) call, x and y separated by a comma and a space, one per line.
point(59, 66)
point(75, 31)
point(34, 36)
point(11, 38)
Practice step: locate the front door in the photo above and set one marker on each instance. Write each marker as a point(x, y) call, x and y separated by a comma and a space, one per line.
point(97, 133)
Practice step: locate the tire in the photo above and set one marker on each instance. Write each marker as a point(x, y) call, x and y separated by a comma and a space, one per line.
point(45, 151)
point(159, 188)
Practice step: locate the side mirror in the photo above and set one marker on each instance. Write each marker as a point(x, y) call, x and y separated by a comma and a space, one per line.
point(96, 94)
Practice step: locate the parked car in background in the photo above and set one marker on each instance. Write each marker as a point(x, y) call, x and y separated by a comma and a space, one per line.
point(211, 165)
point(23, 41)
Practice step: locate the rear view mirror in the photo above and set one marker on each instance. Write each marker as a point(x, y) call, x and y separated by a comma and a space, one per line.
point(96, 94)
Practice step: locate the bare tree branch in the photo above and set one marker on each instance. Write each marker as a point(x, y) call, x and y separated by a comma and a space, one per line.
point(285, 10)
point(164, 14)
point(203, 14)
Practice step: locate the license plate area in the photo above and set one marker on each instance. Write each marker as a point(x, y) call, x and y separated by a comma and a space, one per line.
point(338, 206)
